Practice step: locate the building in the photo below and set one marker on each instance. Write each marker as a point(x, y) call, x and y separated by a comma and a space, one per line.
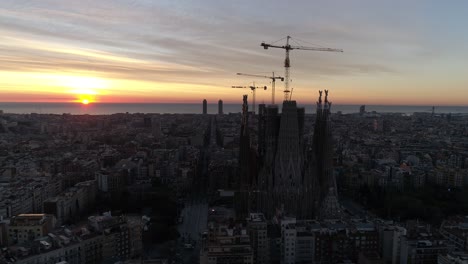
point(326, 241)
point(421, 247)
point(292, 180)
point(282, 167)
point(453, 258)
point(390, 241)
point(121, 237)
point(455, 231)
point(205, 107)
point(268, 122)
point(362, 110)
point(51, 251)
point(73, 202)
point(327, 204)
point(288, 241)
point(220, 107)
point(289, 159)
point(28, 227)
point(370, 258)
point(257, 228)
point(247, 171)
point(226, 245)
point(274, 242)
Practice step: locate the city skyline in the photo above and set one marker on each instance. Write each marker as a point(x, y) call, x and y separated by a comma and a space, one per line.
point(394, 53)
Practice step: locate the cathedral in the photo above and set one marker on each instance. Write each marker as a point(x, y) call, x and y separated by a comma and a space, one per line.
point(293, 178)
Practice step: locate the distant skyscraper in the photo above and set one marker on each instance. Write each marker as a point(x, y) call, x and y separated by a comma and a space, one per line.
point(220, 107)
point(362, 110)
point(205, 107)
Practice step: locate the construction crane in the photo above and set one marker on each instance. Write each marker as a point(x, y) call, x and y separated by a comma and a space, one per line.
point(253, 88)
point(287, 64)
point(273, 81)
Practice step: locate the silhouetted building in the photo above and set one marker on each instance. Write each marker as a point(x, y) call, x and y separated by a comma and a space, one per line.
point(220, 107)
point(362, 110)
point(281, 152)
point(293, 180)
point(205, 107)
point(147, 121)
point(244, 200)
point(327, 200)
point(268, 121)
point(289, 159)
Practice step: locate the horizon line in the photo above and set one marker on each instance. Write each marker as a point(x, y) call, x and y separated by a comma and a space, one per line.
point(215, 103)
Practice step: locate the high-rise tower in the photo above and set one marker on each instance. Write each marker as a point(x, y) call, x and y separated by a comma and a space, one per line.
point(205, 107)
point(220, 107)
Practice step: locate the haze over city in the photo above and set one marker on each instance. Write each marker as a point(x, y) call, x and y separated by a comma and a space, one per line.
point(395, 52)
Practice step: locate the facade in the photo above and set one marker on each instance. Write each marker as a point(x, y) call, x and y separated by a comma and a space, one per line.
point(106, 239)
point(453, 258)
point(422, 247)
point(27, 227)
point(73, 202)
point(288, 241)
point(455, 231)
point(327, 241)
point(257, 228)
point(390, 241)
point(226, 245)
point(70, 253)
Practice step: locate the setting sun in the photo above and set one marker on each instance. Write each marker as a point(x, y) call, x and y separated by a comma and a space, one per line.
point(85, 101)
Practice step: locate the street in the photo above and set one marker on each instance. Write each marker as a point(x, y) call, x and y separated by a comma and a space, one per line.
point(195, 215)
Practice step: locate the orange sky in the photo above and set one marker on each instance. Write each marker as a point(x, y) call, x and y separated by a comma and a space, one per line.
point(394, 53)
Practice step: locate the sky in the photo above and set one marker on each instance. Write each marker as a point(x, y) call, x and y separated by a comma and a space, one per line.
point(395, 52)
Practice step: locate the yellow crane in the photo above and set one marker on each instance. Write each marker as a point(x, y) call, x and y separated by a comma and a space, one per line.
point(287, 64)
point(273, 79)
point(253, 88)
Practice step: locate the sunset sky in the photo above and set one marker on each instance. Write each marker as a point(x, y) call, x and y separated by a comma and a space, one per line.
point(395, 52)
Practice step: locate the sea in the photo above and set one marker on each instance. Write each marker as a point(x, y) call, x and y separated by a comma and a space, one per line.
point(178, 108)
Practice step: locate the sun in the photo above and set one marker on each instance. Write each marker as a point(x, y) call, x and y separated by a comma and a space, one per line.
point(85, 99)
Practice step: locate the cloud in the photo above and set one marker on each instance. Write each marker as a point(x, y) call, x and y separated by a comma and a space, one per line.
point(206, 44)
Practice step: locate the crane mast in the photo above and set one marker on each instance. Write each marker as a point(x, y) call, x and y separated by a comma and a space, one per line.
point(287, 64)
point(273, 82)
point(286, 70)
